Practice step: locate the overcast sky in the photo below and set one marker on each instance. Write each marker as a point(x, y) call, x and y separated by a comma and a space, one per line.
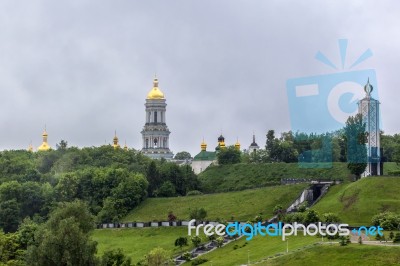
point(84, 68)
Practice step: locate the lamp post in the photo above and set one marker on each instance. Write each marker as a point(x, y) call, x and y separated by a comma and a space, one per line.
point(287, 245)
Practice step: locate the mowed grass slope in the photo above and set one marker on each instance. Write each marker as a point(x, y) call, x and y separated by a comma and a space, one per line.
point(236, 177)
point(240, 205)
point(256, 249)
point(336, 255)
point(137, 242)
point(357, 202)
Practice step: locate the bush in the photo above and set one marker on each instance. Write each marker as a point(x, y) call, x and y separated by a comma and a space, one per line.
point(198, 214)
point(187, 256)
point(396, 238)
point(171, 217)
point(220, 241)
point(115, 257)
point(330, 218)
point(196, 240)
point(167, 189)
point(387, 220)
point(194, 193)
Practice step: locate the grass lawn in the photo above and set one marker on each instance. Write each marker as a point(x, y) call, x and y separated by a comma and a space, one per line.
point(241, 205)
point(236, 177)
point(137, 242)
point(256, 249)
point(357, 202)
point(336, 255)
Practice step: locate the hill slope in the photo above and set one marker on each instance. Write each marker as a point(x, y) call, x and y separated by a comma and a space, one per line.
point(241, 205)
point(357, 202)
point(340, 256)
point(243, 176)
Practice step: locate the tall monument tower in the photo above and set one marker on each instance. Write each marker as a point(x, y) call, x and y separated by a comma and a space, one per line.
point(368, 107)
point(155, 132)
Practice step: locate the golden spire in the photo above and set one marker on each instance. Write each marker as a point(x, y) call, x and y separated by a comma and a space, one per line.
point(30, 147)
point(125, 146)
point(155, 92)
point(45, 146)
point(237, 144)
point(115, 141)
point(203, 146)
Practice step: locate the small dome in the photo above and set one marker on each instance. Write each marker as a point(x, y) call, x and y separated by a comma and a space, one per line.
point(155, 92)
point(368, 88)
point(221, 139)
point(237, 145)
point(203, 146)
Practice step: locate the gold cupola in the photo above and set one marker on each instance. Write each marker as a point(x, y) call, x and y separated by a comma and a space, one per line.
point(203, 146)
point(237, 145)
point(125, 146)
point(115, 141)
point(45, 146)
point(30, 147)
point(155, 92)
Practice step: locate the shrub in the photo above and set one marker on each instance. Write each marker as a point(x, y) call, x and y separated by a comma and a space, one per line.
point(396, 238)
point(187, 256)
point(198, 214)
point(171, 217)
point(194, 193)
point(196, 240)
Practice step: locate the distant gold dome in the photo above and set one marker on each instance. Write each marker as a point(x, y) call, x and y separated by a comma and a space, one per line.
point(237, 145)
point(45, 146)
point(155, 92)
point(203, 146)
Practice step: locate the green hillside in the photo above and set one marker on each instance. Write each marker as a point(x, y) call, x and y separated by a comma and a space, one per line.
point(224, 178)
point(240, 205)
point(240, 251)
point(137, 242)
point(357, 202)
point(351, 255)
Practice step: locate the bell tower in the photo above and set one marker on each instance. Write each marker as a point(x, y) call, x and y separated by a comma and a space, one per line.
point(155, 133)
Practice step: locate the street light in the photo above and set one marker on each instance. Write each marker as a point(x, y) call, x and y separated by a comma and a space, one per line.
point(287, 245)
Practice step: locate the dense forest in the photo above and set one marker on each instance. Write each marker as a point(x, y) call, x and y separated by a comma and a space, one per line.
point(111, 181)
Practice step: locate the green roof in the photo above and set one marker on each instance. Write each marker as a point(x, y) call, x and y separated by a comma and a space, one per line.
point(205, 156)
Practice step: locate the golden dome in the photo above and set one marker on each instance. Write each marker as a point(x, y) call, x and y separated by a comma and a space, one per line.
point(237, 145)
point(203, 146)
point(155, 92)
point(115, 141)
point(45, 146)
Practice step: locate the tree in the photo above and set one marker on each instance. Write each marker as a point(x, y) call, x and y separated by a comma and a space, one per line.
point(9, 215)
point(229, 155)
point(391, 235)
point(153, 177)
point(311, 217)
point(181, 241)
point(196, 240)
point(330, 218)
point(62, 145)
point(220, 241)
point(158, 257)
point(198, 214)
point(355, 137)
point(115, 257)
point(279, 211)
point(396, 238)
point(167, 189)
point(272, 146)
point(65, 238)
point(183, 155)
